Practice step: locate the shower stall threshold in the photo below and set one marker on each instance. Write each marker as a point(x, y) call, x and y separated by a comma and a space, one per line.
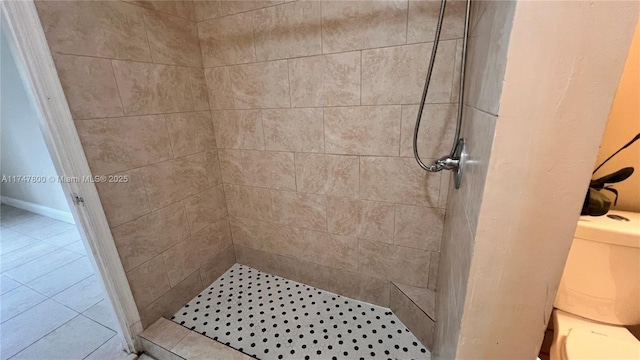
point(269, 317)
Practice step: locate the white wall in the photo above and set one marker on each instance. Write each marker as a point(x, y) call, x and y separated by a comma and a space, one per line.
point(563, 66)
point(22, 147)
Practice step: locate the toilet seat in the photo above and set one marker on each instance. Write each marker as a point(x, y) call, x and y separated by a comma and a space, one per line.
point(577, 338)
point(586, 344)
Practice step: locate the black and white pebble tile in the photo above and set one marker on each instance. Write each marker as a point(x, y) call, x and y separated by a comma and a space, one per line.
point(269, 317)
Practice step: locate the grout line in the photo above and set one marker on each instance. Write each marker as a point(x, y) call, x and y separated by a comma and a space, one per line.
point(253, 38)
point(45, 335)
point(290, 88)
point(133, 61)
point(325, 54)
point(321, 29)
point(166, 127)
point(96, 349)
point(34, 305)
point(137, 4)
point(146, 35)
point(361, 66)
point(406, 29)
point(242, 12)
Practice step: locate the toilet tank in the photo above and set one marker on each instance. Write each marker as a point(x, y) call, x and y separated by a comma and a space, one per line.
point(601, 280)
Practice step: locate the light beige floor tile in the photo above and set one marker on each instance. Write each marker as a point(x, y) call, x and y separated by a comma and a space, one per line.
point(17, 301)
point(111, 350)
point(24, 255)
point(74, 340)
point(49, 230)
point(16, 219)
point(32, 223)
point(64, 238)
point(82, 295)
point(17, 242)
point(62, 278)
point(26, 328)
point(7, 284)
point(42, 265)
point(6, 233)
point(102, 313)
point(77, 247)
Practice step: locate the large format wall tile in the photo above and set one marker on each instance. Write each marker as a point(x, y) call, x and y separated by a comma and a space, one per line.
point(418, 227)
point(148, 281)
point(413, 316)
point(113, 145)
point(437, 130)
point(270, 169)
point(396, 75)
point(172, 40)
point(288, 30)
point(258, 168)
point(123, 202)
point(144, 238)
point(423, 17)
point(238, 129)
point(327, 174)
point(152, 89)
point(205, 208)
point(171, 181)
point(189, 255)
point(227, 40)
point(181, 9)
point(362, 287)
point(355, 25)
point(361, 218)
point(260, 85)
point(219, 85)
point(199, 89)
point(216, 266)
point(363, 130)
point(250, 202)
point(326, 80)
point(167, 304)
point(398, 180)
point(394, 263)
point(237, 6)
point(487, 57)
point(300, 210)
point(190, 133)
point(212, 165)
point(206, 9)
point(336, 251)
point(109, 29)
point(89, 86)
point(300, 130)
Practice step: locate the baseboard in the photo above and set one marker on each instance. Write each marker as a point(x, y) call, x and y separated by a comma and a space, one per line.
point(39, 209)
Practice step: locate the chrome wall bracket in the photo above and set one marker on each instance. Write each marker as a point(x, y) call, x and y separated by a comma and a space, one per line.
point(454, 163)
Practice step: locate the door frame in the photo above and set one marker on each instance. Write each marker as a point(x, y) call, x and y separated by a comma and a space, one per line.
point(29, 45)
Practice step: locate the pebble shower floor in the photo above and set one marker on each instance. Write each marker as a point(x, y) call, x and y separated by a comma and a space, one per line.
point(269, 317)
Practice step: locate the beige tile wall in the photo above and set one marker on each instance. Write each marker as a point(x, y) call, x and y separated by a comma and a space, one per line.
point(313, 107)
point(134, 79)
point(291, 119)
point(486, 62)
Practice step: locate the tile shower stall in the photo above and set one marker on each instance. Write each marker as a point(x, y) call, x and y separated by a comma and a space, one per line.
point(276, 135)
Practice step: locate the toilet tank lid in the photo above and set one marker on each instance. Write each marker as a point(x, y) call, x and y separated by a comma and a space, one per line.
point(608, 229)
point(585, 344)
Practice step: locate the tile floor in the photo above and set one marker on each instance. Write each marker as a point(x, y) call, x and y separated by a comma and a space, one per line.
point(51, 304)
point(269, 317)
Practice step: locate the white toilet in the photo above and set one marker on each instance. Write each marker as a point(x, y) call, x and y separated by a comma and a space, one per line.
point(600, 291)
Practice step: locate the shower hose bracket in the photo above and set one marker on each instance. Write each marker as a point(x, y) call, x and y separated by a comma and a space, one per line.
point(454, 163)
